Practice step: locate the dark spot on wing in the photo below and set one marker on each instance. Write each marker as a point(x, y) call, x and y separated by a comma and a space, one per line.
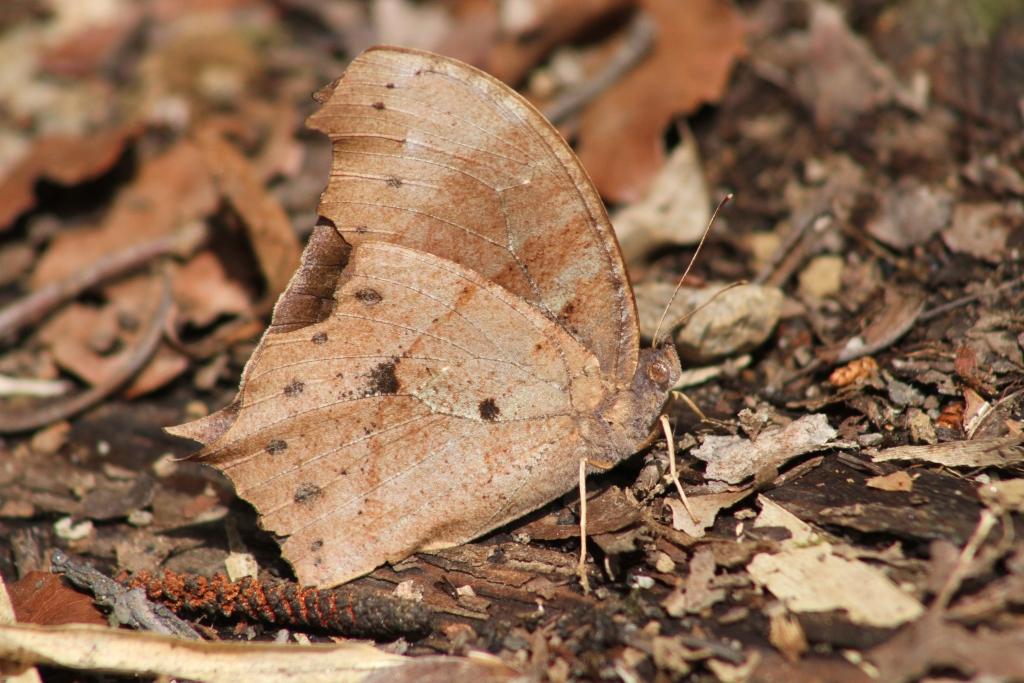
point(392, 181)
point(378, 105)
point(319, 338)
point(489, 410)
point(368, 296)
point(383, 379)
point(389, 86)
point(316, 545)
point(307, 493)
point(276, 446)
point(361, 229)
point(294, 388)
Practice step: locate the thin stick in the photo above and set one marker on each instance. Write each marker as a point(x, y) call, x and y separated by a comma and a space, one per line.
point(963, 562)
point(38, 304)
point(670, 440)
point(581, 568)
point(33, 418)
point(27, 386)
point(639, 40)
point(700, 245)
point(963, 301)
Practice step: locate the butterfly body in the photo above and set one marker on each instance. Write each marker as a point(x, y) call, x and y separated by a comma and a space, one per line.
point(460, 334)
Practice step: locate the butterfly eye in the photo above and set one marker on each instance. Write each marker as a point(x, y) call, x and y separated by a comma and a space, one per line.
point(659, 373)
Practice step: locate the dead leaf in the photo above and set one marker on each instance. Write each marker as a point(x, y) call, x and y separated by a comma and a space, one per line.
point(1008, 494)
point(910, 213)
point(834, 71)
point(813, 579)
point(983, 230)
point(705, 508)
point(719, 320)
point(43, 598)
point(896, 481)
point(270, 232)
point(620, 140)
point(675, 209)
point(934, 644)
point(203, 291)
point(170, 190)
point(67, 160)
point(733, 459)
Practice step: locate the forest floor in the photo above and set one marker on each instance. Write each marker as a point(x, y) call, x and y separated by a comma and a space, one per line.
point(850, 436)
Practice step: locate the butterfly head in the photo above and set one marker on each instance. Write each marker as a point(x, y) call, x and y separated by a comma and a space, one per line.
point(626, 417)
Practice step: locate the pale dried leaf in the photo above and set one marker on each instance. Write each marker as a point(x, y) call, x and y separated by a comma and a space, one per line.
point(733, 458)
point(774, 515)
point(705, 509)
point(675, 209)
point(813, 579)
point(1008, 494)
point(730, 320)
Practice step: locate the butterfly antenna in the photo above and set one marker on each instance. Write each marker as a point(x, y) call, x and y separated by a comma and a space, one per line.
point(686, 316)
point(700, 245)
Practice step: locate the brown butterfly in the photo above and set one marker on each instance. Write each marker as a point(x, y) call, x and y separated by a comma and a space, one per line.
point(460, 334)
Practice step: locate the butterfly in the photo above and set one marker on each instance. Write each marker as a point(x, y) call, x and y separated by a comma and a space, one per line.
point(460, 334)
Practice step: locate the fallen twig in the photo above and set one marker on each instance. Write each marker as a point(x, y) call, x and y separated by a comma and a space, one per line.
point(135, 360)
point(28, 386)
point(129, 605)
point(39, 303)
point(639, 40)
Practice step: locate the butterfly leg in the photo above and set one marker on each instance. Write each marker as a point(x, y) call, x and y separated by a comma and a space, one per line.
point(581, 567)
point(670, 441)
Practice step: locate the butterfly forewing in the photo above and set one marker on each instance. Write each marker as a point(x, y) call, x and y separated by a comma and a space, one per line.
point(435, 155)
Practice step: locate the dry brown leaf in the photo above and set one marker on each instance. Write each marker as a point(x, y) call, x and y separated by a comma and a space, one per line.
point(620, 140)
point(719, 321)
point(982, 230)
point(169, 191)
point(675, 210)
point(60, 159)
point(270, 232)
point(531, 30)
point(910, 213)
point(203, 291)
point(43, 598)
point(705, 508)
point(934, 644)
point(83, 339)
point(834, 71)
point(461, 330)
point(896, 481)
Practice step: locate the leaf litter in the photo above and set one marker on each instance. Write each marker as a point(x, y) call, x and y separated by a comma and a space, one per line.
point(888, 222)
